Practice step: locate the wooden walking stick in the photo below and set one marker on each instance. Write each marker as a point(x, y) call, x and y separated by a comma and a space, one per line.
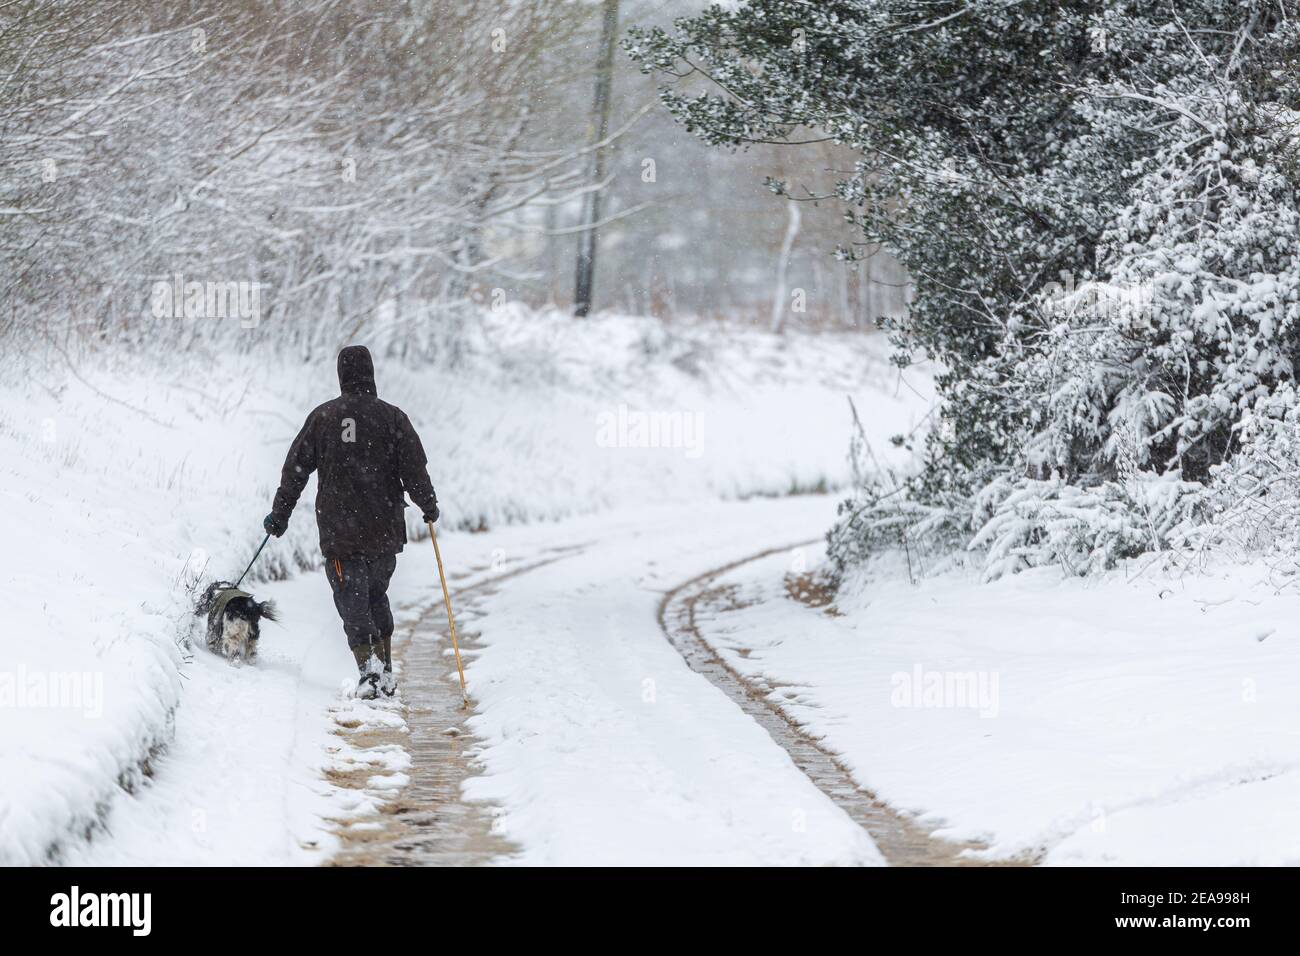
point(451, 622)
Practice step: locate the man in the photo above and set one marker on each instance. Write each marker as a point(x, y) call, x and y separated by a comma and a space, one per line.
point(367, 453)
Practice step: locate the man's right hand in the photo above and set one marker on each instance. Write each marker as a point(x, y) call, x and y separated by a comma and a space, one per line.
point(272, 526)
point(431, 515)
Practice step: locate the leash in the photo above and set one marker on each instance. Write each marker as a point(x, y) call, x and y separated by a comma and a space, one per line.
point(255, 554)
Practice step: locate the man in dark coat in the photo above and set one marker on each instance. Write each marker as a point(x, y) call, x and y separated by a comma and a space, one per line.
point(366, 453)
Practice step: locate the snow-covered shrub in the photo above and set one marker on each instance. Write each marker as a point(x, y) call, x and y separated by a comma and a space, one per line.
point(1160, 367)
point(1018, 523)
point(1035, 522)
point(1253, 499)
point(1099, 206)
point(1209, 248)
point(883, 512)
point(876, 517)
point(1134, 389)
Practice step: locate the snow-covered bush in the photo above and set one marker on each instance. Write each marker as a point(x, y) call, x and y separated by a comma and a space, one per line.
point(1099, 205)
point(1136, 389)
point(1209, 245)
point(1253, 499)
point(1196, 326)
point(1084, 529)
point(1018, 523)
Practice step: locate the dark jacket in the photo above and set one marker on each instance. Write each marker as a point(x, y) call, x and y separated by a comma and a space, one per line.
point(366, 453)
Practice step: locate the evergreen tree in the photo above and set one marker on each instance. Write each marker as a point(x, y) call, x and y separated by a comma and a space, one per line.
point(1095, 200)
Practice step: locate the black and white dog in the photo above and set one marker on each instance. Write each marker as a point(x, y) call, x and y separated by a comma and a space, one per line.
point(233, 618)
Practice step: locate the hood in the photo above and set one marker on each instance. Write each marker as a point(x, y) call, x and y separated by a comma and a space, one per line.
point(356, 371)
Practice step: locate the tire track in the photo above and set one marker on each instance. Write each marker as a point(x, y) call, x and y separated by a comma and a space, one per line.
point(901, 840)
point(427, 823)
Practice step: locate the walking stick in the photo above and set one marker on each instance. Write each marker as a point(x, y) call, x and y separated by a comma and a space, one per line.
point(255, 554)
point(451, 622)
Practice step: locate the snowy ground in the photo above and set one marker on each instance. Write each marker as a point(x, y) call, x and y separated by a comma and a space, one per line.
point(1116, 722)
point(120, 484)
point(600, 744)
point(1107, 721)
point(240, 783)
point(1104, 721)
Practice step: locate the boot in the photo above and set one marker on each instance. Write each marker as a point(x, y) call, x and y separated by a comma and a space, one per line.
point(369, 669)
point(387, 682)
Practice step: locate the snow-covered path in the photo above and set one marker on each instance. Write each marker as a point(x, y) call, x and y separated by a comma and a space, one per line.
point(594, 741)
point(1110, 720)
point(243, 763)
point(599, 744)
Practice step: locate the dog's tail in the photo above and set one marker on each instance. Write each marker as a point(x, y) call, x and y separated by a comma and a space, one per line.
point(267, 609)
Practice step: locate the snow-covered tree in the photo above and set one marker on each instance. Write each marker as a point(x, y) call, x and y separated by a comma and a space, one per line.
point(1095, 200)
point(349, 158)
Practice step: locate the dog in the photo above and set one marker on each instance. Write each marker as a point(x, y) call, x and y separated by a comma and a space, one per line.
point(233, 618)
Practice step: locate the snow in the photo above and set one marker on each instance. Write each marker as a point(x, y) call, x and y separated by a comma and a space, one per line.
point(599, 743)
point(1133, 722)
point(121, 483)
point(1128, 718)
point(240, 783)
point(1122, 368)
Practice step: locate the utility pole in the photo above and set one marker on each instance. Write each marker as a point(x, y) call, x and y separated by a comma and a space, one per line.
point(586, 271)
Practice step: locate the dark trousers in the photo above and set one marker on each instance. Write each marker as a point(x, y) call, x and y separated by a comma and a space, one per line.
point(360, 587)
